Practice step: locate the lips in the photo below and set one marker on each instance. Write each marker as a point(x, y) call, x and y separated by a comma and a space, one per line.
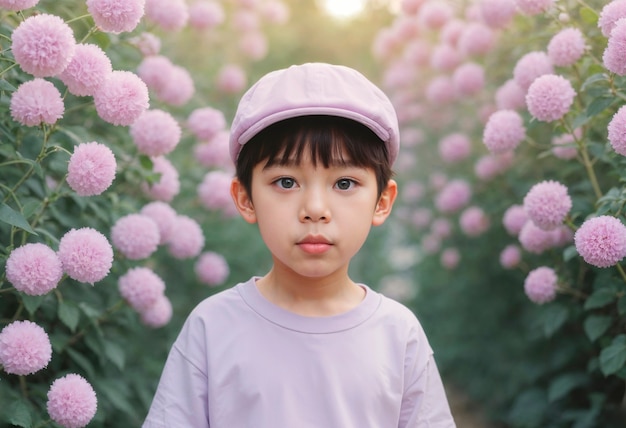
point(315, 244)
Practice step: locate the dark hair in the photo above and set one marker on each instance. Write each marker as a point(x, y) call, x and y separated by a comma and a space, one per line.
point(325, 138)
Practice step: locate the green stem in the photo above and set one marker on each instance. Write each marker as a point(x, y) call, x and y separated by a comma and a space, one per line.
point(8, 68)
point(30, 171)
point(621, 271)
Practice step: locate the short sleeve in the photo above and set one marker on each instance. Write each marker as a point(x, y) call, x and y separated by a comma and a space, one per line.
point(181, 399)
point(424, 404)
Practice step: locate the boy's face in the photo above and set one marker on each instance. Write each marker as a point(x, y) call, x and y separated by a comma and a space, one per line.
point(314, 219)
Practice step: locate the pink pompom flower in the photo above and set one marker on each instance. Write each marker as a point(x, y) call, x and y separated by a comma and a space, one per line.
point(443, 58)
point(91, 169)
point(433, 14)
point(617, 131)
point(540, 285)
point(43, 45)
point(421, 217)
point(214, 192)
point(163, 215)
point(497, 13)
point(614, 56)
point(72, 401)
point(441, 227)
point(476, 39)
point(170, 15)
point(147, 43)
point(136, 236)
point(474, 221)
point(491, 165)
point(188, 240)
point(275, 11)
point(566, 47)
point(179, 89)
point(510, 96)
point(504, 131)
point(16, 5)
point(601, 241)
point(510, 256)
point(455, 147)
point(440, 90)
point(536, 240)
point(86, 254)
point(450, 258)
point(533, 7)
point(35, 102)
point(453, 196)
point(611, 12)
point(24, 348)
point(211, 268)
point(121, 98)
point(141, 287)
point(206, 14)
point(231, 79)
point(550, 97)
point(469, 79)
point(87, 70)
point(215, 152)
point(168, 185)
point(158, 314)
point(155, 132)
point(156, 71)
point(547, 204)
point(254, 45)
point(564, 145)
point(514, 219)
point(116, 16)
point(206, 122)
point(530, 66)
point(34, 269)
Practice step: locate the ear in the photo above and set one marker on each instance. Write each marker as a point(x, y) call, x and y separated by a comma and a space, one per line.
point(385, 203)
point(242, 201)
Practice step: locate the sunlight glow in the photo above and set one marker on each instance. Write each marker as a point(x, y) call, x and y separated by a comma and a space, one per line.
point(343, 9)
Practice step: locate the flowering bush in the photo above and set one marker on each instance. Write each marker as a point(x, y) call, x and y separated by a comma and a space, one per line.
point(537, 300)
point(98, 262)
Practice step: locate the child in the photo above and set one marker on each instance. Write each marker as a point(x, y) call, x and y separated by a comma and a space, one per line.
point(304, 346)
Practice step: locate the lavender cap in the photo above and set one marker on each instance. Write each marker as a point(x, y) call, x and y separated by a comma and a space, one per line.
point(314, 89)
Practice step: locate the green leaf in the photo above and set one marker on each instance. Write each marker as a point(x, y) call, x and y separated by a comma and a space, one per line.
point(115, 353)
point(600, 298)
point(599, 104)
point(12, 217)
point(569, 253)
point(6, 86)
point(82, 362)
point(613, 357)
point(621, 305)
point(596, 325)
point(32, 303)
point(69, 315)
point(598, 77)
point(20, 414)
point(553, 318)
point(588, 15)
point(563, 385)
point(146, 163)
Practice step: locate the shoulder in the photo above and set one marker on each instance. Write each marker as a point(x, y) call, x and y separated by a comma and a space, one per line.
point(218, 308)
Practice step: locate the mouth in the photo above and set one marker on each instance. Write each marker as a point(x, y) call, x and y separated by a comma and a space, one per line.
point(314, 244)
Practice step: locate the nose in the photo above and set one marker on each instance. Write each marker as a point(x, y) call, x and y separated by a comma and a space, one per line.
point(315, 206)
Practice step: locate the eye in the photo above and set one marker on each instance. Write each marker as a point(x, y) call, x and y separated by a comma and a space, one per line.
point(345, 184)
point(285, 182)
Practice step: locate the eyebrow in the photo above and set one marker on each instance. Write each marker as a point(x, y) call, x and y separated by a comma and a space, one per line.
point(292, 161)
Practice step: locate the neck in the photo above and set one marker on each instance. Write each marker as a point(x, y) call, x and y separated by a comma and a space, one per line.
point(308, 296)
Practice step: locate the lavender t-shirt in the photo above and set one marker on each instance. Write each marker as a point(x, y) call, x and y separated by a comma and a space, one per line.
point(241, 361)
